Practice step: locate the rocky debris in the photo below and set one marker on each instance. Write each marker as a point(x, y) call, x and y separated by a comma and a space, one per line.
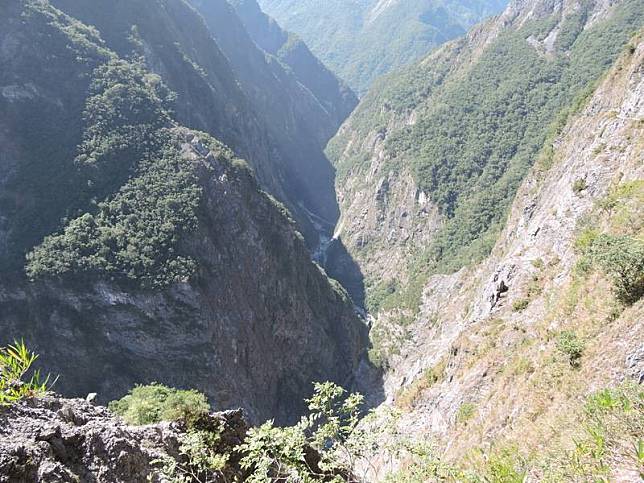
point(635, 365)
point(500, 289)
point(51, 439)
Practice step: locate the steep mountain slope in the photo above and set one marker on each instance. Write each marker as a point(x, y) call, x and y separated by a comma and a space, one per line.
point(162, 259)
point(227, 86)
point(528, 364)
point(436, 154)
point(363, 39)
point(334, 95)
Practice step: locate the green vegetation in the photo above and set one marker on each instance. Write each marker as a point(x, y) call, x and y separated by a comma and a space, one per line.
point(612, 417)
point(466, 411)
point(46, 184)
point(317, 449)
point(579, 185)
point(606, 431)
point(361, 45)
point(155, 403)
point(101, 178)
point(570, 346)
point(481, 126)
point(201, 456)
point(134, 233)
point(475, 142)
point(611, 239)
point(520, 305)
point(328, 444)
point(423, 465)
point(123, 117)
point(408, 397)
point(271, 452)
point(388, 338)
point(622, 258)
point(15, 364)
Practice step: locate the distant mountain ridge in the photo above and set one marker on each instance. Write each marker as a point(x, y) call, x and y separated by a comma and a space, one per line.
point(332, 92)
point(363, 39)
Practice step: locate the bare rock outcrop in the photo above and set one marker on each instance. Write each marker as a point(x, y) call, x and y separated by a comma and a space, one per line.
point(52, 439)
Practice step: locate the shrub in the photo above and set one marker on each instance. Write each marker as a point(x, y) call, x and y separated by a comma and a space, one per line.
point(201, 458)
point(569, 344)
point(506, 466)
point(423, 465)
point(465, 412)
point(15, 363)
point(613, 424)
point(409, 396)
point(520, 304)
point(586, 239)
point(271, 453)
point(538, 263)
point(622, 258)
point(579, 185)
point(155, 402)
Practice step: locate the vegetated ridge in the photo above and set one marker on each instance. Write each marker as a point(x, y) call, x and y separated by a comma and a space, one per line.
point(364, 39)
point(152, 252)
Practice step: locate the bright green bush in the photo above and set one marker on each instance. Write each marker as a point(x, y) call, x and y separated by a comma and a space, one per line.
point(569, 344)
point(612, 425)
point(201, 458)
point(506, 466)
point(155, 402)
point(15, 363)
point(272, 454)
point(622, 258)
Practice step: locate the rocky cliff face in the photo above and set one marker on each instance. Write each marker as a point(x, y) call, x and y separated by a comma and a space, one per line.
point(257, 324)
point(64, 440)
point(166, 260)
point(482, 367)
point(471, 243)
point(332, 93)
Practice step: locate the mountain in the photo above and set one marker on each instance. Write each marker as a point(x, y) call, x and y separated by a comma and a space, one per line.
point(231, 88)
point(530, 363)
point(363, 39)
point(492, 196)
point(333, 94)
point(436, 153)
point(153, 253)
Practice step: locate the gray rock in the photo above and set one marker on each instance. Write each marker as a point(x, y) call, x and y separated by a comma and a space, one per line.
point(56, 440)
